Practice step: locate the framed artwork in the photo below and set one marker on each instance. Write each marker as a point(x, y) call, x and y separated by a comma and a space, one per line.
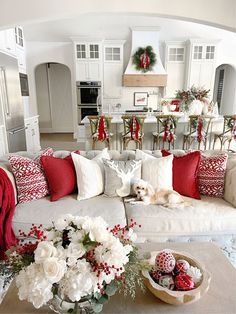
point(140, 99)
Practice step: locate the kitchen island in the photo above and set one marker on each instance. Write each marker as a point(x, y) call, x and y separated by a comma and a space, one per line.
point(150, 125)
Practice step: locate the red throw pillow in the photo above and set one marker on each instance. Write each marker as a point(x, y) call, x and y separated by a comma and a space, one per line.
point(60, 174)
point(211, 175)
point(30, 179)
point(185, 169)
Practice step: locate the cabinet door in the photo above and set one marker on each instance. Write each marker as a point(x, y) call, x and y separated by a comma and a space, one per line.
point(94, 73)
point(10, 43)
point(29, 137)
point(21, 59)
point(3, 141)
point(36, 135)
point(81, 51)
point(82, 71)
point(112, 81)
point(93, 51)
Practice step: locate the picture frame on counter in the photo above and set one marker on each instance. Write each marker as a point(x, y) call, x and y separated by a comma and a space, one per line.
point(140, 99)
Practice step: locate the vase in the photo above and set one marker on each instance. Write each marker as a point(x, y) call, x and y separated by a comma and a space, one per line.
point(195, 108)
point(64, 307)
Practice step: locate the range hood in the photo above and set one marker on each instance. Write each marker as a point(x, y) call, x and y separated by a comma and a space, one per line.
point(157, 77)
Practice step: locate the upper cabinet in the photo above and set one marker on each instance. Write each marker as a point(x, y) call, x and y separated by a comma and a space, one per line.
point(20, 49)
point(88, 61)
point(201, 64)
point(112, 68)
point(7, 41)
point(175, 62)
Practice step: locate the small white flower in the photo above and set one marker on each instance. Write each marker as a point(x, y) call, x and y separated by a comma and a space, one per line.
point(76, 250)
point(44, 250)
point(54, 269)
point(132, 235)
point(60, 224)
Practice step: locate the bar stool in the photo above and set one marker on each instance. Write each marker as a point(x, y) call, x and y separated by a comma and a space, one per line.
point(100, 129)
point(229, 132)
point(198, 131)
point(166, 131)
point(133, 130)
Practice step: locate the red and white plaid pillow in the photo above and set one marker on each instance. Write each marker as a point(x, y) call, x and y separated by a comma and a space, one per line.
point(211, 175)
point(30, 179)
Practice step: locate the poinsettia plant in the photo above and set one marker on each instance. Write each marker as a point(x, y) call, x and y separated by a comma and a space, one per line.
point(76, 258)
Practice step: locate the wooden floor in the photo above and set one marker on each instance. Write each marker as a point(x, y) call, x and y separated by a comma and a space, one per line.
point(58, 141)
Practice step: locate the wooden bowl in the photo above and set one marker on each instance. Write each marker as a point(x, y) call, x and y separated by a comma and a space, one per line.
point(178, 297)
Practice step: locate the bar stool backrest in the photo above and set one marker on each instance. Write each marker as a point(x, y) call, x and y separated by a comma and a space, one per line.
point(161, 122)
point(193, 123)
point(94, 123)
point(229, 123)
point(128, 120)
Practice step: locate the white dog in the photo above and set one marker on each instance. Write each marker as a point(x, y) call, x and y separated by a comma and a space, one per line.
point(147, 195)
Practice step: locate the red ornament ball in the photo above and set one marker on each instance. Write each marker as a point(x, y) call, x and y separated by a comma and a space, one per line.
point(155, 274)
point(181, 266)
point(165, 261)
point(167, 281)
point(184, 282)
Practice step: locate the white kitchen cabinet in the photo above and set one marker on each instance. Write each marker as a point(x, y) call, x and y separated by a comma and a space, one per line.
point(88, 61)
point(175, 62)
point(112, 68)
point(201, 64)
point(3, 141)
point(32, 134)
point(7, 41)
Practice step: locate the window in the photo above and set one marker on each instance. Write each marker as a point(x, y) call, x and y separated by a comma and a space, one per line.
point(220, 87)
point(81, 51)
point(197, 52)
point(112, 54)
point(94, 51)
point(210, 52)
point(176, 54)
point(19, 36)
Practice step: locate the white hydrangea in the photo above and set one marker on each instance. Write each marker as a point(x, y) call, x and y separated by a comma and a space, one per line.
point(78, 282)
point(33, 286)
point(54, 269)
point(75, 250)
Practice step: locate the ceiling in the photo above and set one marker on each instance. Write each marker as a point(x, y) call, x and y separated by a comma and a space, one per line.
point(117, 26)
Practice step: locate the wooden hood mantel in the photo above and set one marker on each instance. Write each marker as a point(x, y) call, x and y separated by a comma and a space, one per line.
point(146, 80)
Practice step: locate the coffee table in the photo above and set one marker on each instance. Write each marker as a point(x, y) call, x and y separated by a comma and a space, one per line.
point(220, 299)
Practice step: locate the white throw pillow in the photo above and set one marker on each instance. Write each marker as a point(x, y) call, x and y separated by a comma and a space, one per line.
point(90, 174)
point(156, 171)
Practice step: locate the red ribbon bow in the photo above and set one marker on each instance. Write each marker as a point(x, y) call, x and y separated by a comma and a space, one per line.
point(144, 60)
point(101, 129)
point(199, 130)
point(134, 128)
point(168, 135)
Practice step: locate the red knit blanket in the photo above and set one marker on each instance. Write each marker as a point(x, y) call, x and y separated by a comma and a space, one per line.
point(7, 208)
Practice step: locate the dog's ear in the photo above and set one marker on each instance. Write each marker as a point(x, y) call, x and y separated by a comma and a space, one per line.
point(150, 190)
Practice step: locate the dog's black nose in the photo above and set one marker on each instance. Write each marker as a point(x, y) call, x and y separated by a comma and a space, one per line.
point(138, 192)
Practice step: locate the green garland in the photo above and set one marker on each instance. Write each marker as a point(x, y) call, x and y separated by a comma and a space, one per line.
point(137, 56)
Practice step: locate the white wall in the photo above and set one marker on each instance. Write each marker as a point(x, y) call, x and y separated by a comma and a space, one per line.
point(211, 12)
point(44, 52)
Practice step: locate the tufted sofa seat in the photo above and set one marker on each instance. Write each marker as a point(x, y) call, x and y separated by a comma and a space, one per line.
point(208, 219)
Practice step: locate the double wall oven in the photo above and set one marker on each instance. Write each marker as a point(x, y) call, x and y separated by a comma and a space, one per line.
point(87, 97)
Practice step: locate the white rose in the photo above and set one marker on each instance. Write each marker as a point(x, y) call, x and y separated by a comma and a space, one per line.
point(44, 250)
point(54, 269)
point(76, 250)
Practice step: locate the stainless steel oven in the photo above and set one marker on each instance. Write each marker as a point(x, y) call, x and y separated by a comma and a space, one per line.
point(87, 96)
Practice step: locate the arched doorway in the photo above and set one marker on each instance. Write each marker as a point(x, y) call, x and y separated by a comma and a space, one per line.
point(54, 98)
point(225, 89)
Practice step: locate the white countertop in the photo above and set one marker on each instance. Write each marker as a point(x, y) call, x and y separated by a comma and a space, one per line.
point(116, 118)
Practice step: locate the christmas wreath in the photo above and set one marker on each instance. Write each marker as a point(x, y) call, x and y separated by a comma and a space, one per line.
point(144, 59)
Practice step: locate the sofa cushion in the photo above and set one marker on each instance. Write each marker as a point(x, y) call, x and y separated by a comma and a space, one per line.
point(156, 171)
point(206, 216)
point(90, 174)
point(43, 211)
point(185, 170)
point(29, 175)
point(211, 175)
point(119, 175)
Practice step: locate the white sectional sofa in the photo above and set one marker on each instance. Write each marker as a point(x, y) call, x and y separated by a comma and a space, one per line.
point(208, 219)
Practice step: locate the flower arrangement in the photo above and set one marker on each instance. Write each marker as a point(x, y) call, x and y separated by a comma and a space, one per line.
point(194, 93)
point(77, 259)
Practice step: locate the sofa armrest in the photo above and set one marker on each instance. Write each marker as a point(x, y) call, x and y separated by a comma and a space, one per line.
point(230, 186)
